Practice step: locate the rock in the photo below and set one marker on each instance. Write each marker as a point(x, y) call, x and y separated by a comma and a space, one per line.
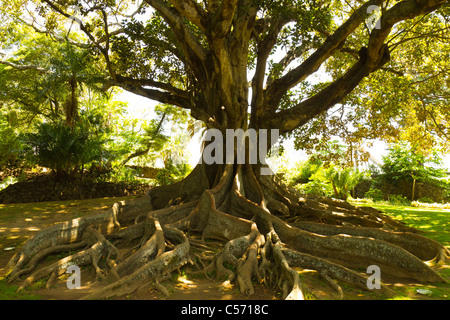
point(424, 292)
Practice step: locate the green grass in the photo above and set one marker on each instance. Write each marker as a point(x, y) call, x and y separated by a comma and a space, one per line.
point(434, 222)
point(8, 292)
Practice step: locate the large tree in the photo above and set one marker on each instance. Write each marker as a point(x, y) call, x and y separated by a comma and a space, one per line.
point(214, 58)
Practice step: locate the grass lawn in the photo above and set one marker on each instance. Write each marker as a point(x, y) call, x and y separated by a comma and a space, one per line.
point(434, 222)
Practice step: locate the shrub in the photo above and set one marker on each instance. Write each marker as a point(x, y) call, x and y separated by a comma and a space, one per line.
point(315, 187)
point(374, 194)
point(425, 200)
point(342, 180)
point(399, 200)
point(303, 172)
point(63, 149)
point(172, 173)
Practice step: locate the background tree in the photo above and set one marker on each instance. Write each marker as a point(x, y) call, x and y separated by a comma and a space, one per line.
point(406, 163)
point(197, 56)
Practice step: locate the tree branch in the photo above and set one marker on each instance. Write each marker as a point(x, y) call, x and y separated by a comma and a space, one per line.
point(151, 83)
point(157, 95)
point(370, 60)
point(264, 49)
point(191, 47)
point(290, 119)
point(286, 60)
point(24, 67)
point(278, 88)
point(192, 11)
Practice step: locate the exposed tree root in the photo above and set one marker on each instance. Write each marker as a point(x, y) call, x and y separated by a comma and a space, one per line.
point(162, 265)
point(264, 233)
point(99, 247)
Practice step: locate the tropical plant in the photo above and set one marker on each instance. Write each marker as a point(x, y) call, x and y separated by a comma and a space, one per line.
point(342, 180)
point(66, 150)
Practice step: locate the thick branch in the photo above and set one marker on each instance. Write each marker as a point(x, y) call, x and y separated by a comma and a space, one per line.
point(371, 59)
point(158, 95)
point(192, 11)
point(192, 49)
point(280, 86)
point(264, 49)
point(288, 120)
point(152, 83)
point(24, 67)
point(223, 18)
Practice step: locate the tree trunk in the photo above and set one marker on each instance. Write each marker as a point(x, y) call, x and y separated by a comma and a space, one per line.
point(266, 231)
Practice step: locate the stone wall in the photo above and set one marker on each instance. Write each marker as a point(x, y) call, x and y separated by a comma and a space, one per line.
point(45, 188)
point(422, 189)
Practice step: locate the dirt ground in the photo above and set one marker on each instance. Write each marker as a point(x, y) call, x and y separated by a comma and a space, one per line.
point(18, 222)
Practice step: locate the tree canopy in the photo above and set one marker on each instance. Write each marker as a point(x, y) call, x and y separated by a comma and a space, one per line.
point(256, 59)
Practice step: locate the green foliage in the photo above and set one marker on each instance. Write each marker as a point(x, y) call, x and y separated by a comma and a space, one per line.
point(59, 77)
point(172, 173)
point(374, 194)
point(398, 200)
point(342, 180)
point(10, 145)
point(10, 292)
point(313, 177)
point(7, 181)
point(64, 149)
point(119, 174)
point(425, 200)
point(406, 100)
point(316, 187)
point(406, 163)
point(303, 171)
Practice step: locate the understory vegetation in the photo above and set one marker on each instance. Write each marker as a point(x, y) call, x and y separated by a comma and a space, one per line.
point(404, 178)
